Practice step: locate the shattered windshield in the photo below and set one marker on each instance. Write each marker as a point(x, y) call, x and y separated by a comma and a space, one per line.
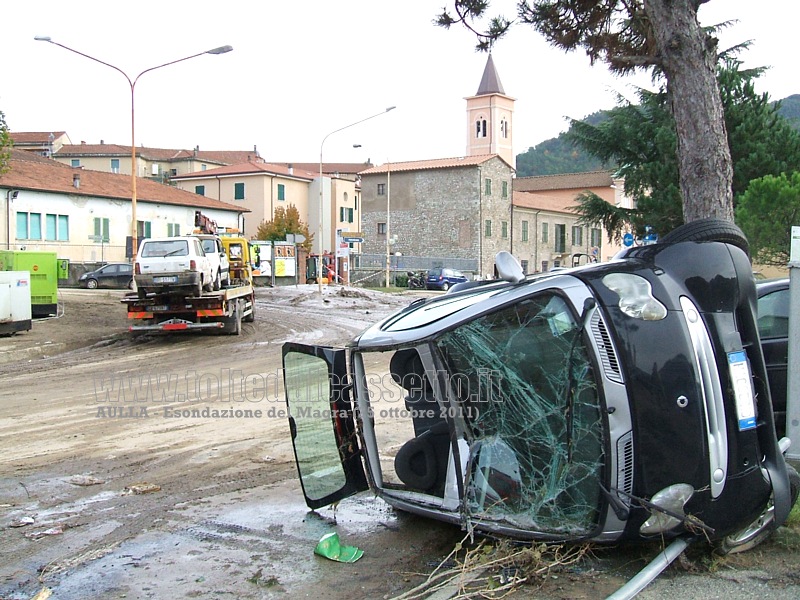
point(536, 453)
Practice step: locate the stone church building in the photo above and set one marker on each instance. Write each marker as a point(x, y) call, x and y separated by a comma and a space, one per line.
point(459, 212)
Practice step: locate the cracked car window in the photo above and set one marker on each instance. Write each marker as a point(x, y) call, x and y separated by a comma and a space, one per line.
point(536, 452)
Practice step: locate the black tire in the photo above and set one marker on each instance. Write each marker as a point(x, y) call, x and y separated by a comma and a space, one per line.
point(207, 286)
point(311, 280)
point(708, 230)
point(130, 284)
point(445, 286)
point(760, 529)
point(198, 291)
point(217, 282)
point(91, 284)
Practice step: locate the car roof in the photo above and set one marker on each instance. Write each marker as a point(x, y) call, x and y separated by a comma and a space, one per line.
point(767, 286)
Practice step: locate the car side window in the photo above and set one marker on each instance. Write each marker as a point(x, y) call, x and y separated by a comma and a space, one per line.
point(125, 268)
point(773, 314)
point(111, 269)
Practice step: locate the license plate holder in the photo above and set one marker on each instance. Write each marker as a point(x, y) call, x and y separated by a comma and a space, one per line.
point(165, 279)
point(742, 381)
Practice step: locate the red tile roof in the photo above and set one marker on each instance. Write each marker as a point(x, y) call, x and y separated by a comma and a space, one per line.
point(542, 201)
point(328, 168)
point(249, 168)
point(32, 172)
point(34, 137)
point(439, 163)
point(223, 157)
point(568, 181)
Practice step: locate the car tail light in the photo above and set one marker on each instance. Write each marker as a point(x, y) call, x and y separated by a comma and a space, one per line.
point(137, 269)
point(193, 265)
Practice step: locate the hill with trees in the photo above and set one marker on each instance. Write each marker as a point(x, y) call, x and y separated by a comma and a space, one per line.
point(558, 155)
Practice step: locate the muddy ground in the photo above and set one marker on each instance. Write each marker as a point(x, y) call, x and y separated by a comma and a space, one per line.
point(102, 497)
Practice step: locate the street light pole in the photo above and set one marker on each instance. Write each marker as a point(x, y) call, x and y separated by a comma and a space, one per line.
point(321, 225)
point(388, 222)
point(132, 83)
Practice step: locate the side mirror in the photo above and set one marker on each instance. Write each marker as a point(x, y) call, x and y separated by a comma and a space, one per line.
point(508, 269)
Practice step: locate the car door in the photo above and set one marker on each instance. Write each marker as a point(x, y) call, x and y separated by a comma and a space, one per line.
point(321, 422)
point(124, 275)
point(773, 329)
point(107, 276)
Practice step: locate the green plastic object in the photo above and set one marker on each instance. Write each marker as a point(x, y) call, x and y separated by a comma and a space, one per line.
point(330, 547)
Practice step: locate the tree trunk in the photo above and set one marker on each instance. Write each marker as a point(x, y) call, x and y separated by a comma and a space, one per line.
point(688, 58)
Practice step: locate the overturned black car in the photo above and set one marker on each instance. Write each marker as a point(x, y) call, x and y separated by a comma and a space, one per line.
point(615, 401)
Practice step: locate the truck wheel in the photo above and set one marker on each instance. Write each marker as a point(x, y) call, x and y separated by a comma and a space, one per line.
point(233, 324)
point(708, 230)
point(760, 529)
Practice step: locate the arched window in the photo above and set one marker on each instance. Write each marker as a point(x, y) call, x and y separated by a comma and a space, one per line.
point(480, 127)
point(504, 128)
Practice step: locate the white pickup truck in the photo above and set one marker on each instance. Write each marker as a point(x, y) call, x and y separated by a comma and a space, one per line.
point(172, 264)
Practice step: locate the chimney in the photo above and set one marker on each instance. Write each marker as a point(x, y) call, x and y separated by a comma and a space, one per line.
point(76, 180)
point(83, 142)
point(291, 169)
point(102, 142)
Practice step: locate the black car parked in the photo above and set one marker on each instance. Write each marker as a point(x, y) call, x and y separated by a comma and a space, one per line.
point(773, 328)
point(115, 275)
point(625, 400)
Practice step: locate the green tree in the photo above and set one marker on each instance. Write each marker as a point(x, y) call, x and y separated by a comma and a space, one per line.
point(663, 36)
point(641, 139)
point(284, 221)
point(776, 196)
point(5, 144)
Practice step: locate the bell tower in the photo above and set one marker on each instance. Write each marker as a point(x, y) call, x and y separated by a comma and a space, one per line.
point(489, 118)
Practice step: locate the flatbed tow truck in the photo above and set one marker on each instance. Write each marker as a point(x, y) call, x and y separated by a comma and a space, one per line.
point(223, 310)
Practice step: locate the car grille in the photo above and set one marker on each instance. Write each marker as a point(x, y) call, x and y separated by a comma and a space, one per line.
point(608, 357)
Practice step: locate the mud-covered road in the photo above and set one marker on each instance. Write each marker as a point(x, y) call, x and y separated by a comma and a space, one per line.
point(109, 490)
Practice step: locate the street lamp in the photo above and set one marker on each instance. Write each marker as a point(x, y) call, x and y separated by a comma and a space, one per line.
point(321, 228)
point(388, 226)
point(132, 83)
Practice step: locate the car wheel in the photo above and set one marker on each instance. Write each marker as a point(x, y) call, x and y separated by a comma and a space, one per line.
point(708, 230)
point(760, 529)
point(445, 286)
point(217, 282)
point(91, 284)
point(208, 286)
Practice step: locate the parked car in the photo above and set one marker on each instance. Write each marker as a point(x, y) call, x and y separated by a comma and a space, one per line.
point(114, 275)
point(773, 328)
point(615, 401)
point(176, 264)
point(443, 279)
point(220, 266)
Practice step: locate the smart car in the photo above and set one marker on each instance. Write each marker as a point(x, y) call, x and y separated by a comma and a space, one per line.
point(116, 275)
point(443, 279)
point(625, 400)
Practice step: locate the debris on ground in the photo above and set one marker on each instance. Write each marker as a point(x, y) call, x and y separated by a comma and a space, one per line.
point(330, 547)
point(21, 522)
point(85, 480)
point(141, 488)
point(35, 535)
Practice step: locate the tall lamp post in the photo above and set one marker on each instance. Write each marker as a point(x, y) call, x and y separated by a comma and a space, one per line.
point(388, 225)
point(132, 83)
point(321, 226)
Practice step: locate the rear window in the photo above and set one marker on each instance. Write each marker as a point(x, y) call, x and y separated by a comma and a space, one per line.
point(434, 273)
point(165, 248)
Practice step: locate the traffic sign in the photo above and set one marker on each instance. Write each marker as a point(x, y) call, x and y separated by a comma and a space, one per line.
point(353, 240)
point(627, 240)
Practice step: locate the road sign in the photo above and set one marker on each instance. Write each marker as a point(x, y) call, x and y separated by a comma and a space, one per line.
point(627, 239)
point(353, 240)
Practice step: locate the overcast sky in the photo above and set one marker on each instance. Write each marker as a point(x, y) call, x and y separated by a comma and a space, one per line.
point(300, 71)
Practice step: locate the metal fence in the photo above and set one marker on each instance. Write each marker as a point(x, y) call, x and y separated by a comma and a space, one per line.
point(368, 262)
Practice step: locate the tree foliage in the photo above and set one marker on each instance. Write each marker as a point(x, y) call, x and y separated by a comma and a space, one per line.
point(284, 221)
point(5, 144)
point(776, 196)
point(641, 139)
point(661, 35)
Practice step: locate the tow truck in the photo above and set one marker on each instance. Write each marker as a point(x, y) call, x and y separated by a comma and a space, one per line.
point(222, 310)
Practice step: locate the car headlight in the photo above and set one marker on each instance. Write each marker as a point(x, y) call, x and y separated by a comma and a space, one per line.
point(673, 499)
point(635, 296)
